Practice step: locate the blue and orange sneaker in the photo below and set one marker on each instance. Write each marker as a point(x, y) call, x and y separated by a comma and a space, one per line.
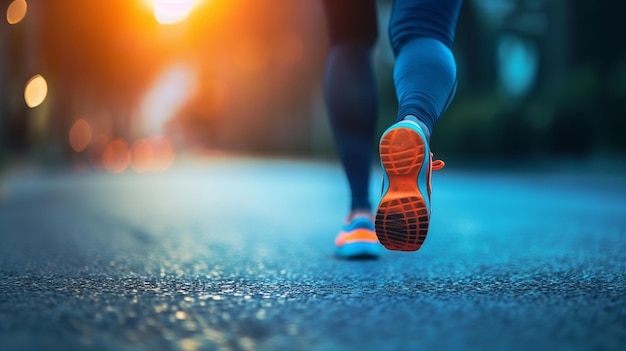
point(403, 214)
point(357, 239)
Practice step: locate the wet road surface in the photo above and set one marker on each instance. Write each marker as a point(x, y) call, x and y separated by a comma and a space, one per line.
point(236, 254)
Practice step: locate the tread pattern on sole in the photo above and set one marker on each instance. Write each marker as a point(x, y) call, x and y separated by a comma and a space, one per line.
point(402, 217)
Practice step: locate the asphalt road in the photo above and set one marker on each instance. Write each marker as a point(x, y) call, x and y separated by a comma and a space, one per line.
point(237, 254)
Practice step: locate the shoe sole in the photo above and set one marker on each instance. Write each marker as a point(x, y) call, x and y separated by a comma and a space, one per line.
point(402, 217)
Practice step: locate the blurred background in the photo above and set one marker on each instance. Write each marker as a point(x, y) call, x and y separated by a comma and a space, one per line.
point(136, 85)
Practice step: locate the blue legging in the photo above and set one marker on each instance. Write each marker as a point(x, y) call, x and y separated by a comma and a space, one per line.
point(422, 35)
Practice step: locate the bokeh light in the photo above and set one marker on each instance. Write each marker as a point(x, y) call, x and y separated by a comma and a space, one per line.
point(116, 156)
point(80, 135)
point(163, 152)
point(172, 11)
point(16, 11)
point(142, 156)
point(36, 91)
point(152, 154)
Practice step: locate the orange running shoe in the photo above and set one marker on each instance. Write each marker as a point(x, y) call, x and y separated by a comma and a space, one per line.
point(403, 214)
point(357, 239)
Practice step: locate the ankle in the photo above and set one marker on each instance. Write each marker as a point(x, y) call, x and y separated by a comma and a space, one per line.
point(422, 125)
point(360, 213)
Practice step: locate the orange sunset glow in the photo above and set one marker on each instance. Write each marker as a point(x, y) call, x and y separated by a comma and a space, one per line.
point(199, 74)
point(172, 11)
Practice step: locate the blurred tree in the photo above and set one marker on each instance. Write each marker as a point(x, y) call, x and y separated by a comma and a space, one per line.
point(576, 104)
point(598, 31)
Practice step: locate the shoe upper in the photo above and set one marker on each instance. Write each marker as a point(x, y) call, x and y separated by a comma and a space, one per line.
point(358, 229)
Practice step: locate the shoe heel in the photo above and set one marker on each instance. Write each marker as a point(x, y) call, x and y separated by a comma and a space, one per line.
point(401, 152)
